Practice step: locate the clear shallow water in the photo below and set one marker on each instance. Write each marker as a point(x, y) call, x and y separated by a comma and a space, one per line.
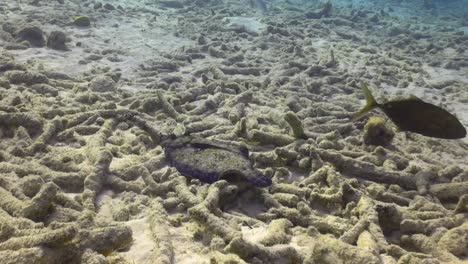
point(83, 173)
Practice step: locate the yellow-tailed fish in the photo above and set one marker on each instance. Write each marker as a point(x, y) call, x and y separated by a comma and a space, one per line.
point(416, 116)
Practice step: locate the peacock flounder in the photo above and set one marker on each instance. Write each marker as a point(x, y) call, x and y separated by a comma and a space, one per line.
point(211, 161)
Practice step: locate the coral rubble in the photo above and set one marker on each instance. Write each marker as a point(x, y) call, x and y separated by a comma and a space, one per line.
point(87, 175)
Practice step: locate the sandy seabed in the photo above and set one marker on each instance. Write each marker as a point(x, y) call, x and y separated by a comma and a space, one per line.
point(83, 175)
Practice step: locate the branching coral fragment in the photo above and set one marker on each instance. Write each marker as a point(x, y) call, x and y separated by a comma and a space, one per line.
point(366, 170)
point(207, 212)
point(247, 250)
point(331, 250)
point(295, 124)
point(164, 249)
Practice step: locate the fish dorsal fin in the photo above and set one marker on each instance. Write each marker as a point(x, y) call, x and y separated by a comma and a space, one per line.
point(370, 102)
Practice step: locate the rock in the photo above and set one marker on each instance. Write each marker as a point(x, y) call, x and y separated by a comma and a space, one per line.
point(56, 40)
point(171, 4)
point(440, 84)
point(214, 52)
point(97, 5)
point(456, 240)
point(394, 31)
point(18, 46)
point(93, 57)
point(6, 231)
point(7, 64)
point(30, 185)
point(109, 6)
point(115, 76)
point(450, 172)
point(5, 83)
point(330, 250)
point(90, 256)
point(82, 21)
point(33, 35)
point(26, 77)
point(44, 89)
point(325, 11)
point(377, 133)
point(7, 37)
point(374, 18)
point(201, 40)
point(102, 84)
point(9, 27)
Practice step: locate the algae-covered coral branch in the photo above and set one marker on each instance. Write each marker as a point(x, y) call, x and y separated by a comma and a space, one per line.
point(366, 170)
point(36, 208)
point(47, 238)
point(331, 250)
point(247, 251)
point(164, 249)
point(206, 212)
point(295, 124)
point(31, 122)
point(50, 130)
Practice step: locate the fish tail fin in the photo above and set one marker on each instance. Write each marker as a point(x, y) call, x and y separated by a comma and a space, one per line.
point(371, 103)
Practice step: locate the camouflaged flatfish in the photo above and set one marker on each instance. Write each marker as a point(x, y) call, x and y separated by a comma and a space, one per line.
point(209, 162)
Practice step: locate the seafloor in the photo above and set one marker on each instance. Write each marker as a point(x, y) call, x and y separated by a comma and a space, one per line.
point(83, 175)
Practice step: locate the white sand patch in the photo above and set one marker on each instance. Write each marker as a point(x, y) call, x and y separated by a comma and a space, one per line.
point(131, 40)
point(250, 23)
point(186, 250)
point(142, 247)
point(104, 202)
point(254, 235)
